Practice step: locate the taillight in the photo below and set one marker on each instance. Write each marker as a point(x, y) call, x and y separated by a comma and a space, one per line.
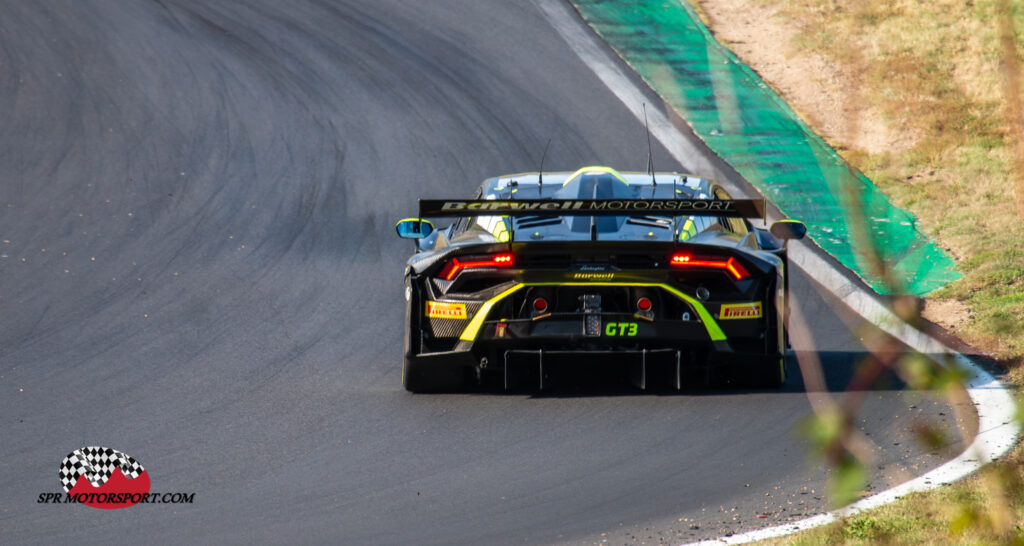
point(644, 304)
point(452, 268)
point(540, 305)
point(730, 264)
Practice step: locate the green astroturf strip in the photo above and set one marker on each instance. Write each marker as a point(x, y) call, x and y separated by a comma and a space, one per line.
point(747, 124)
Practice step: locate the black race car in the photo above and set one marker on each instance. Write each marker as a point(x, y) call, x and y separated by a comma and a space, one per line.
point(661, 275)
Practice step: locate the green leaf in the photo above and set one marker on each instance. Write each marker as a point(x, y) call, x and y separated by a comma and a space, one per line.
point(847, 482)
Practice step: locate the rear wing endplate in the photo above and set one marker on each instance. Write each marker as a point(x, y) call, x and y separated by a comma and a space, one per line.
point(737, 208)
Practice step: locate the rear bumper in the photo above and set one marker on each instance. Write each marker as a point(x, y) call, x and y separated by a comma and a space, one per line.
point(585, 326)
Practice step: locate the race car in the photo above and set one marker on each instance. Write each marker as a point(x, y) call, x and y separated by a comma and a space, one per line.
point(660, 275)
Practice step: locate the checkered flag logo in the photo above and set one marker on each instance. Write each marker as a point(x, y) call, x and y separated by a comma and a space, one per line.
point(96, 464)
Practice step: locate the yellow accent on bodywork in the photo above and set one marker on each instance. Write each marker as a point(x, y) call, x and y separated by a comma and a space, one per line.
point(714, 331)
point(469, 334)
point(500, 231)
point(592, 169)
point(689, 230)
point(428, 222)
point(495, 225)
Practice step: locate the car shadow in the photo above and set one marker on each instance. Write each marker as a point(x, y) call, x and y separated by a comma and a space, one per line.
point(836, 373)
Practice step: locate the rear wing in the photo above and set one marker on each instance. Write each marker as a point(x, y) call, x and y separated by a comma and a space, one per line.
point(737, 208)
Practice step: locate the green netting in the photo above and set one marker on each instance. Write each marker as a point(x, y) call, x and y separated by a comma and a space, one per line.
point(747, 124)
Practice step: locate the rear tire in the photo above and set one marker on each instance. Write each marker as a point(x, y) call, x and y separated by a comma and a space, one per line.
point(770, 373)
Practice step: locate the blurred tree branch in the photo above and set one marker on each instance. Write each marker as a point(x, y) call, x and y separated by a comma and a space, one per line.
point(1012, 97)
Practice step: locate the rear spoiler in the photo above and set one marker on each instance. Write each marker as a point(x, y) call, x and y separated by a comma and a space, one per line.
point(738, 208)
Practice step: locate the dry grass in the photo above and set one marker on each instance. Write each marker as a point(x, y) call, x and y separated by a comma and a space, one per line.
point(938, 71)
point(986, 508)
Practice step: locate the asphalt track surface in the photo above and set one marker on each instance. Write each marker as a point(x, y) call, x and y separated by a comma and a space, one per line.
point(198, 267)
